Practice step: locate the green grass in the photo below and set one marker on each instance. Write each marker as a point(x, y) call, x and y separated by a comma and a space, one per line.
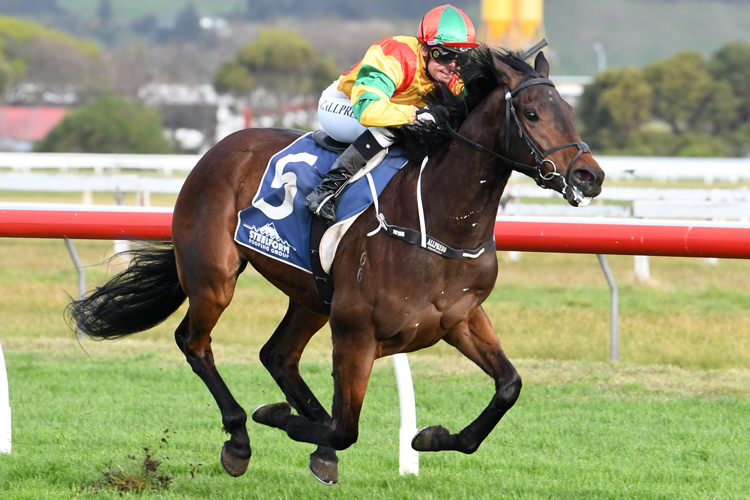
point(668, 421)
point(97, 198)
point(547, 306)
point(577, 437)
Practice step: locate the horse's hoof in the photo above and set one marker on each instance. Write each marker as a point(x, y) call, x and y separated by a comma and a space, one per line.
point(269, 414)
point(234, 466)
point(428, 438)
point(325, 471)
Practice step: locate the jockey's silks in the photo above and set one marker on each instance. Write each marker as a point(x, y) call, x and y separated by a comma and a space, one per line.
point(389, 81)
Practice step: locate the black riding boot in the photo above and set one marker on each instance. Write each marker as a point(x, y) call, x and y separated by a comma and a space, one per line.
point(322, 200)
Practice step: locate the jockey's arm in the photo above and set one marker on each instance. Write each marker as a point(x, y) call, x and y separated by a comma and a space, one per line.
point(373, 109)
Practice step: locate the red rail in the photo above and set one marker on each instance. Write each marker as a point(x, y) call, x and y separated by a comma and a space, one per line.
point(529, 234)
point(86, 222)
point(624, 237)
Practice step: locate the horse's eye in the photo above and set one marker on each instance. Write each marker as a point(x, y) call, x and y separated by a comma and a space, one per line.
point(531, 116)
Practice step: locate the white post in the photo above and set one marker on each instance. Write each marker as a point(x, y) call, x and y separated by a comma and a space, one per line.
point(642, 269)
point(5, 437)
point(408, 457)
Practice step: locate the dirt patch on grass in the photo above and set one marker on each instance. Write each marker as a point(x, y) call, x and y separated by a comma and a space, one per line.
point(138, 475)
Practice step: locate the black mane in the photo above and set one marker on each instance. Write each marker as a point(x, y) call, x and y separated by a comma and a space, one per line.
point(480, 78)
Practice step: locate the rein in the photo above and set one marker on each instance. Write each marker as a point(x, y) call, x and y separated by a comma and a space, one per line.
point(533, 171)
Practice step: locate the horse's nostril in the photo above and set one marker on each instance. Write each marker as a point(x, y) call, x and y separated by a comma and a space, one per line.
point(585, 175)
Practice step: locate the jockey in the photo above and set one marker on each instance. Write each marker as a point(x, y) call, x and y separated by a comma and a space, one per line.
point(385, 89)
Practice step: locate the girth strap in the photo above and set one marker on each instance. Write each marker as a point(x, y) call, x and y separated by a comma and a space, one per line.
point(415, 238)
point(323, 282)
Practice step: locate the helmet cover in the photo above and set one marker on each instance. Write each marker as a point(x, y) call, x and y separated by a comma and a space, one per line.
point(447, 25)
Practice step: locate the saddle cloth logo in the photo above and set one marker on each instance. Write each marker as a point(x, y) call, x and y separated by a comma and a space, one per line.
point(277, 223)
point(267, 240)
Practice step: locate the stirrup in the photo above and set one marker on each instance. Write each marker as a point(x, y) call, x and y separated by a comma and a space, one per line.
point(327, 217)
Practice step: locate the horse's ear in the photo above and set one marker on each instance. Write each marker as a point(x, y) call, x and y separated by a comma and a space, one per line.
point(541, 65)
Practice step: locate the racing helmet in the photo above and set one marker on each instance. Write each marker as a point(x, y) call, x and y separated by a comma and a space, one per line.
point(447, 26)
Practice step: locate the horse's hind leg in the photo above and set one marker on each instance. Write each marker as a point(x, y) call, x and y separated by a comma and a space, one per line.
point(281, 356)
point(210, 289)
point(353, 356)
point(477, 341)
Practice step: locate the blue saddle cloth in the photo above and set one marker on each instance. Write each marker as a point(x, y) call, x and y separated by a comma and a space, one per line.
point(277, 223)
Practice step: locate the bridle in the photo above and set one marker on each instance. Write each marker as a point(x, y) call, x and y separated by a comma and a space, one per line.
point(533, 171)
point(427, 242)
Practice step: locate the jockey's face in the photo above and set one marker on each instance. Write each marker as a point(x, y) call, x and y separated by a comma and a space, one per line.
point(440, 72)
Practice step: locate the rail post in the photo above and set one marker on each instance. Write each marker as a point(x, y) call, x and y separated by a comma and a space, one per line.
point(5, 434)
point(408, 457)
point(614, 307)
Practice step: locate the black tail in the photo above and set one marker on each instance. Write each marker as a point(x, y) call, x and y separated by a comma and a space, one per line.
point(139, 298)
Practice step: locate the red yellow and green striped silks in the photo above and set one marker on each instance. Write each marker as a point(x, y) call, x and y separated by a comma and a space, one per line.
point(389, 82)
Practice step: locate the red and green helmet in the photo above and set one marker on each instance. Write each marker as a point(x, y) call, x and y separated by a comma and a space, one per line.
point(447, 25)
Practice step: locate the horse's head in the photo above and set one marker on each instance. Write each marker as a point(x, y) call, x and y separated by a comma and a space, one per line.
point(511, 111)
point(539, 132)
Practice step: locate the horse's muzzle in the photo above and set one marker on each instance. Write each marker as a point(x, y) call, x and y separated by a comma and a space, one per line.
point(584, 183)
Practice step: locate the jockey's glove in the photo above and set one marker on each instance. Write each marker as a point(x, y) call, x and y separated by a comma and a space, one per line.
point(429, 116)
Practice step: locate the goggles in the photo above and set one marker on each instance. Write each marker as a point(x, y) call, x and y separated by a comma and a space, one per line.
point(446, 56)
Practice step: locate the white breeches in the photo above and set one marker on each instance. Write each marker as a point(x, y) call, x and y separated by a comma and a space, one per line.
point(337, 119)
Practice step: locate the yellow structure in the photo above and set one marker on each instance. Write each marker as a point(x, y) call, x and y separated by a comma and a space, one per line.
point(512, 24)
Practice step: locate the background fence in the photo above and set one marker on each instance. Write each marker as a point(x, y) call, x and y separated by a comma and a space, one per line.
point(708, 170)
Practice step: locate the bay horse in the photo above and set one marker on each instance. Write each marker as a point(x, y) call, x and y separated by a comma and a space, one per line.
point(390, 296)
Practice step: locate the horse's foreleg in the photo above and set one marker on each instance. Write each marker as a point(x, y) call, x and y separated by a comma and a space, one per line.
point(281, 356)
point(352, 366)
point(477, 341)
point(193, 338)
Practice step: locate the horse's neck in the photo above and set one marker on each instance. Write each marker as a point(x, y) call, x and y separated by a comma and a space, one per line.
point(462, 188)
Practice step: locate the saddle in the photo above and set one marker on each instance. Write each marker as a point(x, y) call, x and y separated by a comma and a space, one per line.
point(279, 225)
point(327, 142)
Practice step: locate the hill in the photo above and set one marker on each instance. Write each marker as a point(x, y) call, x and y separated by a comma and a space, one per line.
point(631, 32)
point(638, 32)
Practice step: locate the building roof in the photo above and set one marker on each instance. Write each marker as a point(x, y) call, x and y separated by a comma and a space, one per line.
point(29, 123)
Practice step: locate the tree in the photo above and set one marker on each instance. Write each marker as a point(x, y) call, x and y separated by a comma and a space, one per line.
point(111, 124)
point(682, 106)
point(187, 26)
point(614, 106)
point(723, 109)
point(233, 77)
point(104, 13)
point(6, 70)
point(682, 90)
point(102, 25)
point(281, 61)
point(731, 64)
point(739, 140)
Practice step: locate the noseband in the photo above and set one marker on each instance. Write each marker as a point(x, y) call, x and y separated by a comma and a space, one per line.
point(533, 171)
